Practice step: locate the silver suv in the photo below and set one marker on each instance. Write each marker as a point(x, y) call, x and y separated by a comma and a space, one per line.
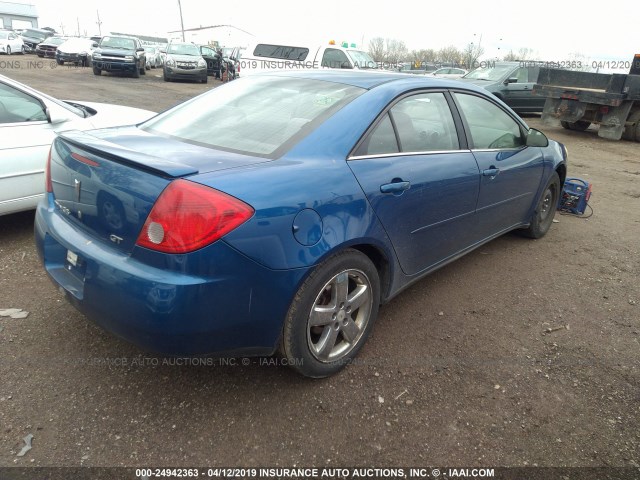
point(184, 62)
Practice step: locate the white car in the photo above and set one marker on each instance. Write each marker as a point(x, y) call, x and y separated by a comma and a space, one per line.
point(154, 59)
point(75, 50)
point(29, 121)
point(10, 42)
point(449, 72)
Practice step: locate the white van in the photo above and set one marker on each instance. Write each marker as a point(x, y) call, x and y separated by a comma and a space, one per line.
point(264, 57)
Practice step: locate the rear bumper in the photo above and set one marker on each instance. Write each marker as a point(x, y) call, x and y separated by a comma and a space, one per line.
point(214, 301)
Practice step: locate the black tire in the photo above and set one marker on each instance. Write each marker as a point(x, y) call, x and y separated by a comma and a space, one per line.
point(143, 70)
point(545, 209)
point(136, 72)
point(302, 343)
point(23, 50)
point(96, 71)
point(632, 129)
point(8, 50)
point(59, 62)
point(205, 79)
point(579, 126)
point(164, 76)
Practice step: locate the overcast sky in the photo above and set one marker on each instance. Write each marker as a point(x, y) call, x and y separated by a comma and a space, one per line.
point(553, 29)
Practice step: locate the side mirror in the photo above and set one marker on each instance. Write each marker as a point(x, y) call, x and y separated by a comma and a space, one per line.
point(535, 138)
point(53, 116)
point(511, 80)
point(163, 51)
point(140, 49)
point(94, 45)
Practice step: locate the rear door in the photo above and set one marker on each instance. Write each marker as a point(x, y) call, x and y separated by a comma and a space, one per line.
point(25, 138)
point(420, 180)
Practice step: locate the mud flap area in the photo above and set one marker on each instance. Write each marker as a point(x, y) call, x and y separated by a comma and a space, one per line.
point(558, 110)
point(614, 121)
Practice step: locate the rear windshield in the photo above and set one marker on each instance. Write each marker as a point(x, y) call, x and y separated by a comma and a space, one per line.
point(282, 52)
point(34, 34)
point(261, 116)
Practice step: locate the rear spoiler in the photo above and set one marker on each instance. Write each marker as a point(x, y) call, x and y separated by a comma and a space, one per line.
point(119, 154)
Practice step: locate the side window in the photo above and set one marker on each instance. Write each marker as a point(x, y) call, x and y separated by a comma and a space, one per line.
point(16, 106)
point(283, 52)
point(334, 58)
point(490, 126)
point(533, 74)
point(380, 141)
point(424, 123)
point(522, 74)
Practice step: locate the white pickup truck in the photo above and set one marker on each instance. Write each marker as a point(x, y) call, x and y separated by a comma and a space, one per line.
point(262, 57)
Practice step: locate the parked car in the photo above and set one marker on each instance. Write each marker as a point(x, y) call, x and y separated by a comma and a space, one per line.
point(184, 62)
point(49, 46)
point(154, 59)
point(10, 42)
point(367, 182)
point(511, 82)
point(29, 121)
point(231, 61)
point(418, 68)
point(449, 72)
point(213, 59)
point(32, 37)
point(119, 53)
point(75, 50)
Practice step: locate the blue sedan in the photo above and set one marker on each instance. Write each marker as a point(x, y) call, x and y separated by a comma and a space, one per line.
point(277, 212)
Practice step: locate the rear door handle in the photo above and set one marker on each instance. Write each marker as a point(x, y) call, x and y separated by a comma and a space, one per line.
point(395, 187)
point(491, 172)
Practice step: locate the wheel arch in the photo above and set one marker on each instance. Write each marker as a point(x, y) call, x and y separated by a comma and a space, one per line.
point(561, 170)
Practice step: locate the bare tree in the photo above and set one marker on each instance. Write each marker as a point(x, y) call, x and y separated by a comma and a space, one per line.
point(510, 57)
point(376, 49)
point(396, 50)
point(424, 55)
point(449, 55)
point(471, 54)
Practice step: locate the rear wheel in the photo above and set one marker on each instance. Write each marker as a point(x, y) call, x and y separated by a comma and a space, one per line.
point(331, 315)
point(8, 50)
point(136, 72)
point(96, 71)
point(59, 62)
point(632, 129)
point(545, 210)
point(579, 126)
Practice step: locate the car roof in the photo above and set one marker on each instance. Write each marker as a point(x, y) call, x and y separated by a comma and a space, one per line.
point(367, 79)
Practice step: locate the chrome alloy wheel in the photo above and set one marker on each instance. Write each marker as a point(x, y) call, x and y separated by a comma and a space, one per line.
point(339, 315)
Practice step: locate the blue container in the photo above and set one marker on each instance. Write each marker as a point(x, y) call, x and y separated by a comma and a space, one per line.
point(575, 196)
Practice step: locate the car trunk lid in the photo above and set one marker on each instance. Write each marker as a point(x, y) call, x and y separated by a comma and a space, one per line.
point(108, 189)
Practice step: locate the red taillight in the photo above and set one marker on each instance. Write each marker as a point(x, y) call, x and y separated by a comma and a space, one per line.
point(48, 186)
point(188, 216)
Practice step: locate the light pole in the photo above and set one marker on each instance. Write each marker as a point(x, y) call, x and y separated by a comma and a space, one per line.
point(181, 22)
